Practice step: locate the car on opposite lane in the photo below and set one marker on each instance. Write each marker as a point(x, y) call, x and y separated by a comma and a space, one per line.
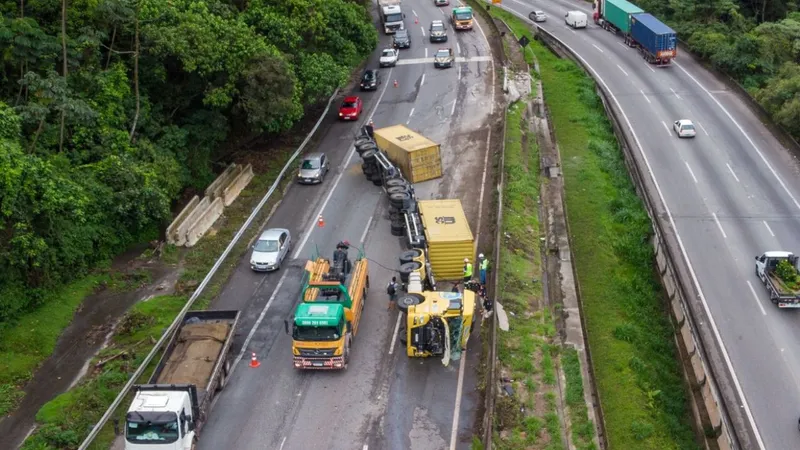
point(389, 57)
point(684, 128)
point(401, 39)
point(370, 80)
point(443, 58)
point(437, 31)
point(351, 108)
point(313, 168)
point(270, 250)
point(538, 16)
point(441, 2)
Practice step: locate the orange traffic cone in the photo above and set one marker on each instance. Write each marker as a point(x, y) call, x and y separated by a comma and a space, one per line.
point(320, 221)
point(416, 19)
point(254, 361)
point(395, 83)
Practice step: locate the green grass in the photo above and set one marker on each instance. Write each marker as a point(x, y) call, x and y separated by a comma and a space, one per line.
point(635, 367)
point(30, 340)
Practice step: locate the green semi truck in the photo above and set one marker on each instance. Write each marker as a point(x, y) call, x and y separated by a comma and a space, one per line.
point(615, 15)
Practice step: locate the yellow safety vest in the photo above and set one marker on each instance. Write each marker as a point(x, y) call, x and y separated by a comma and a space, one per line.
point(468, 270)
point(485, 264)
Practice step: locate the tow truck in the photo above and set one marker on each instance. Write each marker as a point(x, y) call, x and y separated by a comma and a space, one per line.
point(768, 267)
point(332, 302)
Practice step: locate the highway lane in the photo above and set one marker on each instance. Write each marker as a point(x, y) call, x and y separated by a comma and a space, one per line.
point(732, 194)
point(275, 406)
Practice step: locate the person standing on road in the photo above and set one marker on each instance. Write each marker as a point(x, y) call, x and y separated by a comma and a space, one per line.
point(467, 270)
point(391, 289)
point(371, 129)
point(483, 266)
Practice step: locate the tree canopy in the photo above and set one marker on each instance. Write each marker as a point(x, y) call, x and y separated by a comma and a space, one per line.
point(109, 109)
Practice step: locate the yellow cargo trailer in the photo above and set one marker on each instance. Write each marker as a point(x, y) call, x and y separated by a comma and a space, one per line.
point(417, 157)
point(449, 237)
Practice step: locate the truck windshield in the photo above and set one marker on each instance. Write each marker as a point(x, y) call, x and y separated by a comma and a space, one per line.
point(317, 333)
point(143, 429)
point(463, 15)
point(395, 17)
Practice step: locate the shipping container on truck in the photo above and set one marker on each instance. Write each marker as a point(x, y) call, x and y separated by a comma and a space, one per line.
point(168, 413)
point(449, 237)
point(615, 15)
point(657, 42)
point(418, 157)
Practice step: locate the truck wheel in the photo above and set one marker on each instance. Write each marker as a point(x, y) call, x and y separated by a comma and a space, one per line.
point(396, 182)
point(397, 228)
point(363, 141)
point(397, 200)
point(409, 300)
point(369, 155)
point(407, 268)
point(377, 181)
point(365, 147)
point(394, 189)
point(410, 255)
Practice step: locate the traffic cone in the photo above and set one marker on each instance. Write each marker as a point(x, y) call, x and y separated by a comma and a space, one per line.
point(254, 361)
point(395, 83)
point(416, 20)
point(320, 221)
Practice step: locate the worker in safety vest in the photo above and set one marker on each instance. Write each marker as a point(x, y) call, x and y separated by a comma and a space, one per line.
point(483, 266)
point(467, 270)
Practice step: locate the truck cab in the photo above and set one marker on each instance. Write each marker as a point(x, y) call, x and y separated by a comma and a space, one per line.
point(461, 18)
point(391, 16)
point(440, 325)
point(161, 419)
point(321, 337)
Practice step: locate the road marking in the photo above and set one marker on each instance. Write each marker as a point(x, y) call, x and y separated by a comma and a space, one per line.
point(702, 128)
point(732, 172)
point(768, 228)
point(453, 109)
point(758, 301)
point(648, 66)
point(415, 13)
point(691, 172)
point(623, 70)
point(441, 10)
point(458, 48)
point(366, 229)
point(394, 336)
point(458, 71)
point(258, 322)
point(423, 31)
point(409, 116)
point(676, 94)
point(366, 447)
point(626, 47)
point(282, 442)
point(570, 29)
point(719, 225)
point(645, 96)
point(459, 388)
point(763, 158)
point(669, 132)
point(426, 52)
point(339, 178)
point(601, 50)
point(459, 59)
point(422, 81)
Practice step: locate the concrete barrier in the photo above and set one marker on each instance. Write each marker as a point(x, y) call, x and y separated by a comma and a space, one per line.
point(234, 188)
point(172, 236)
point(180, 232)
point(215, 189)
point(198, 227)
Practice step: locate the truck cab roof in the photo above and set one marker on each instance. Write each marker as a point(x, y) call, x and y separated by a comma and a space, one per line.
point(318, 314)
point(778, 254)
point(391, 9)
point(157, 401)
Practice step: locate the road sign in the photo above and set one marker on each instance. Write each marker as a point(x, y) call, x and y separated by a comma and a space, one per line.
point(523, 41)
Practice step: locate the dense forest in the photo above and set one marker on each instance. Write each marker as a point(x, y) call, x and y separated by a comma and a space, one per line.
point(110, 108)
point(757, 42)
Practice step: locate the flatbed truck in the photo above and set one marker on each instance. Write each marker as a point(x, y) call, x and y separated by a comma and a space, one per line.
point(169, 412)
point(779, 293)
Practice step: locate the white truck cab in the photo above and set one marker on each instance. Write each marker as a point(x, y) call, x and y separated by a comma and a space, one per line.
point(159, 420)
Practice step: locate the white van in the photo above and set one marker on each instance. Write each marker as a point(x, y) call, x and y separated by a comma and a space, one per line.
point(575, 19)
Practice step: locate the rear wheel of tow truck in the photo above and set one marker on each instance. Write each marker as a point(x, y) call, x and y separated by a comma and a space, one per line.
point(403, 302)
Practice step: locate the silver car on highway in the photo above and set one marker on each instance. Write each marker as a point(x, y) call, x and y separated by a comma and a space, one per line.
point(313, 168)
point(270, 250)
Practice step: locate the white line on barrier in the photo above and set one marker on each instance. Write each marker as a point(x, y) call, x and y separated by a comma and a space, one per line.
point(755, 296)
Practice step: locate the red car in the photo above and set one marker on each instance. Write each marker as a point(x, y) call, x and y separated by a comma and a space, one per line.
point(351, 108)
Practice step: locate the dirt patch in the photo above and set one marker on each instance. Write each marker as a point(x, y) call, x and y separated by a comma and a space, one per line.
point(195, 354)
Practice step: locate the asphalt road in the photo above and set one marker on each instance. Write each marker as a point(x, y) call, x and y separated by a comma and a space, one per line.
point(732, 192)
point(383, 400)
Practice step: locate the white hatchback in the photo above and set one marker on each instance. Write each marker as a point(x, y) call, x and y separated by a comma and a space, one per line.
point(684, 128)
point(537, 16)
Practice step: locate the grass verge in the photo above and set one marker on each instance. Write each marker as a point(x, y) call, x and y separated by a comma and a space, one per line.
point(638, 376)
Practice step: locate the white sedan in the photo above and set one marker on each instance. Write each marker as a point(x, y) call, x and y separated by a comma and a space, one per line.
point(389, 57)
point(684, 128)
point(537, 16)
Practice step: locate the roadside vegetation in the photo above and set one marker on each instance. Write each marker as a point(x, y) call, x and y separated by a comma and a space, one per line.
point(105, 128)
point(636, 370)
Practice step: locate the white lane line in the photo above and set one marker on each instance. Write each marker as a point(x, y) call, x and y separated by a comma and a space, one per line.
point(258, 322)
point(691, 172)
point(458, 59)
point(339, 178)
point(702, 128)
point(601, 50)
point(426, 52)
point(458, 72)
point(458, 48)
point(459, 388)
point(366, 447)
point(366, 229)
point(409, 116)
point(453, 109)
point(645, 96)
point(763, 158)
point(732, 172)
point(415, 13)
point(422, 81)
point(719, 225)
point(648, 66)
point(623, 70)
point(620, 43)
point(423, 31)
point(570, 29)
point(768, 228)
point(676, 94)
point(669, 132)
point(394, 336)
point(441, 10)
point(282, 442)
point(758, 301)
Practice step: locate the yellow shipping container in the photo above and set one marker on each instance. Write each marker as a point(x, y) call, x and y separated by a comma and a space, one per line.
point(449, 237)
point(417, 157)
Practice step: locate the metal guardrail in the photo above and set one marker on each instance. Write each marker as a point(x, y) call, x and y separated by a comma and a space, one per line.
point(117, 401)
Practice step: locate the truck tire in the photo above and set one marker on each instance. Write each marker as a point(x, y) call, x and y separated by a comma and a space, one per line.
point(223, 376)
point(407, 268)
point(369, 155)
point(367, 168)
point(397, 228)
point(398, 200)
point(404, 301)
point(410, 255)
point(377, 181)
point(396, 182)
point(394, 189)
point(363, 141)
point(365, 148)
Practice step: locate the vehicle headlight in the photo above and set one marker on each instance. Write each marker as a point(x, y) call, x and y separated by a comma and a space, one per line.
point(340, 114)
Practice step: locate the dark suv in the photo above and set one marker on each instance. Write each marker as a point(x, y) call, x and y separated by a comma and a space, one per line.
point(370, 80)
point(438, 32)
point(402, 39)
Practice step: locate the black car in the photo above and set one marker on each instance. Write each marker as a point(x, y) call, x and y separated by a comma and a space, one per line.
point(402, 39)
point(370, 80)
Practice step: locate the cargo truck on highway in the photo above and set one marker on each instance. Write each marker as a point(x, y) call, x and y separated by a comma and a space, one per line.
point(656, 42)
point(615, 16)
point(769, 268)
point(461, 18)
point(391, 16)
point(169, 412)
point(326, 320)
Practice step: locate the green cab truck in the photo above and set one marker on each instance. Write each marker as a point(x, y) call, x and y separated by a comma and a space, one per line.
point(615, 15)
